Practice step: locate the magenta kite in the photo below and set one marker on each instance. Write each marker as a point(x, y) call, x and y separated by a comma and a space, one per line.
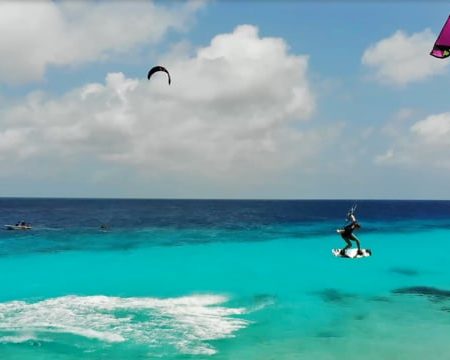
point(441, 48)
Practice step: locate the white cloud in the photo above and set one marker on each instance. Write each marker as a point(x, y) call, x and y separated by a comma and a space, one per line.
point(231, 113)
point(385, 158)
point(36, 34)
point(402, 59)
point(13, 144)
point(435, 129)
point(425, 145)
point(399, 123)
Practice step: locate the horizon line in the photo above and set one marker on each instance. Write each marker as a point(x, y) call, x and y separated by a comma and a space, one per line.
point(213, 199)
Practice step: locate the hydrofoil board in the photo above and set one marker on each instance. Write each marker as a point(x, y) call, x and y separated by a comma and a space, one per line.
point(352, 253)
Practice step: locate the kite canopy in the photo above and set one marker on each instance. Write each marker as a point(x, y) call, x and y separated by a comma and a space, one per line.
point(158, 68)
point(441, 48)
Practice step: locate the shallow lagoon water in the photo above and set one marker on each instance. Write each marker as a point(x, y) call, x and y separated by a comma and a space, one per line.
point(223, 280)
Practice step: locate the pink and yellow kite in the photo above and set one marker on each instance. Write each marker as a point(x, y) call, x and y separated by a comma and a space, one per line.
point(441, 48)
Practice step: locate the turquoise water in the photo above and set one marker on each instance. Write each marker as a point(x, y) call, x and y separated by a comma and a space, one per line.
point(226, 295)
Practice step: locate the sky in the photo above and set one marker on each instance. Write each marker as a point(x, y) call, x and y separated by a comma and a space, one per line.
point(269, 100)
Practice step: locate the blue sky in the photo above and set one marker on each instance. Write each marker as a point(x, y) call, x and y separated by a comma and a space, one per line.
point(269, 99)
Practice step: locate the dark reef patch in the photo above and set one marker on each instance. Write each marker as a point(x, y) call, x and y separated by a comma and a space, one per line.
point(335, 296)
point(384, 299)
point(327, 334)
point(430, 292)
point(360, 317)
point(404, 271)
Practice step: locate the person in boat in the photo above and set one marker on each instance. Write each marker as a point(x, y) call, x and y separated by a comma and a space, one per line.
point(347, 232)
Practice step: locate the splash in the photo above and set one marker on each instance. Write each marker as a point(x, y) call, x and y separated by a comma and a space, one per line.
point(185, 324)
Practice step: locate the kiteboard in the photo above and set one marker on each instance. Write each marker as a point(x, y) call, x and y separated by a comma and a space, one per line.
point(352, 253)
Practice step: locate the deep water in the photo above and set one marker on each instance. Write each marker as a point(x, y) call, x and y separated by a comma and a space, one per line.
point(222, 279)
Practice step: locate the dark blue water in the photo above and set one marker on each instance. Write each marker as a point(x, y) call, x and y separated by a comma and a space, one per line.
point(72, 224)
point(229, 214)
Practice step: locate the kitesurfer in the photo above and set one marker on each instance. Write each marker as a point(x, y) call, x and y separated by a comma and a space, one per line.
point(347, 232)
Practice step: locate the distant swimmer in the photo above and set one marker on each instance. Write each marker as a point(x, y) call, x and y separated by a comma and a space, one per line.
point(347, 232)
point(104, 227)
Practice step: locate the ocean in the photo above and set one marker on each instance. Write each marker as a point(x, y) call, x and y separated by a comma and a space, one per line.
point(223, 279)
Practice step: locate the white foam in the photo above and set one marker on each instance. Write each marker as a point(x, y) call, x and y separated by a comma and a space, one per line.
point(184, 323)
point(17, 339)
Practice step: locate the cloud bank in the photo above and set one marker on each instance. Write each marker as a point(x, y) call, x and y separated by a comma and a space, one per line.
point(234, 110)
point(425, 145)
point(402, 59)
point(36, 34)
